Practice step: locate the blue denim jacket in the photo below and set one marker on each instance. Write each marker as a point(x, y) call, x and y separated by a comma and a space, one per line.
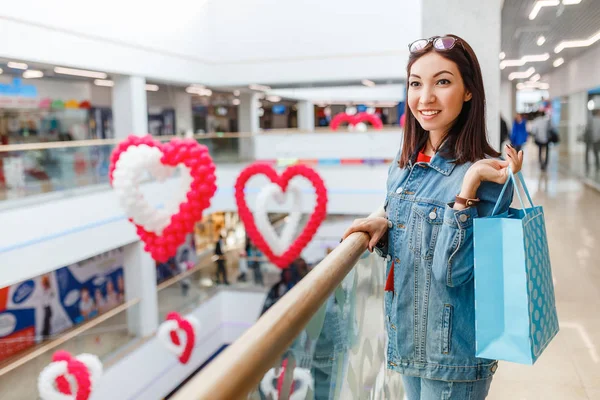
point(430, 314)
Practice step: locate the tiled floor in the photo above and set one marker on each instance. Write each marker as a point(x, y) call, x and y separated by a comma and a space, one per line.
point(570, 367)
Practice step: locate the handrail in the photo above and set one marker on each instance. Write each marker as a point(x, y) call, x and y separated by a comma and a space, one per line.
point(240, 367)
point(230, 135)
point(67, 336)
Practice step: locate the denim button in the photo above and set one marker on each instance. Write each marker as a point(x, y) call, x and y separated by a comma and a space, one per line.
point(388, 258)
point(433, 215)
point(494, 368)
point(399, 190)
point(463, 218)
point(390, 225)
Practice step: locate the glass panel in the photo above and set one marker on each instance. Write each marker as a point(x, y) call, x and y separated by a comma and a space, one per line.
point(341, 353)
point(110, 340)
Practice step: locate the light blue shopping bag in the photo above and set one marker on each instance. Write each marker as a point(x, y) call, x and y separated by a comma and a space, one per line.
point(515, 309)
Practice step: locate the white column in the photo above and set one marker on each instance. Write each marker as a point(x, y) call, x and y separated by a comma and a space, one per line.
point(478, 22)
point(183, 112)
point(248, 118)
point(306, 116)
point(129, 105)
point(248, 122)
point(508, 94)
point(140, 282)
point(578, 115)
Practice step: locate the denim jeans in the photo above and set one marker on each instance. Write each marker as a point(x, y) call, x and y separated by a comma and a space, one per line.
point(428, 389)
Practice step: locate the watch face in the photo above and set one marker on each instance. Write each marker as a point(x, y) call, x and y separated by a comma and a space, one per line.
point(469, 203)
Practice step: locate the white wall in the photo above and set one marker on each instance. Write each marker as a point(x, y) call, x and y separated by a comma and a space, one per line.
point(576, 75)
point(225, 42)
point(151, 372)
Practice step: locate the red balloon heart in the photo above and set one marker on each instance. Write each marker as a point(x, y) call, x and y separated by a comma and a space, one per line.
point(202, 170)
point(187, 327)
point(79, 371)
point(317, 217)
point(353, 120)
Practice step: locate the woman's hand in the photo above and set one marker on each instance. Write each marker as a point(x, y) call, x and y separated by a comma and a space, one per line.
point(374, 227)
point(489, 170)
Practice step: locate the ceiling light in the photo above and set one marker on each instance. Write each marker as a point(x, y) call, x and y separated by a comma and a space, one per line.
point(104, 82)
point(521, 75)
point(523, 60)
point(544, 86)
point(16, 65)
point(1, 71)
point(32, 73)
point(570, 2)
point(541, 40)
point(274, 99)
point(260, 88)
point(151, 87)
point(535, 78)
point(199, 90)
point(538, 6)
point(236, 102)
point(80, 72)
point(520, 86)
point(577, 43)
point(236, 93)
point(591, 105)
point(558, 62)
point(502, 55)
point(368, 83)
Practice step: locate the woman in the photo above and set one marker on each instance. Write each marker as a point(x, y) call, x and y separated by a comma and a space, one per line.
point(445, 175)
point(518, 136)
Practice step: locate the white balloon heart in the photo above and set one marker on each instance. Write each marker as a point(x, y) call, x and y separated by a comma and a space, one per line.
point(301, 375)
point(129, 173)
point(279, 244)
point(164, 334)
point(47, 378)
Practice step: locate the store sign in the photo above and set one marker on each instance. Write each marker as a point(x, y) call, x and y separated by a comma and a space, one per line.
point(18, 95)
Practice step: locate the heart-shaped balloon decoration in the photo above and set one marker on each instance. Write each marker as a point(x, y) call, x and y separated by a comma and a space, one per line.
point(178, 335)
point(163, 230)
point(279, 244)
point(319, 214)
point(302, 382)
point(356, 120)
point(69, 378)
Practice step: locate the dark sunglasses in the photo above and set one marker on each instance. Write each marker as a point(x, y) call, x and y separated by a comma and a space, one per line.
point(440, 43)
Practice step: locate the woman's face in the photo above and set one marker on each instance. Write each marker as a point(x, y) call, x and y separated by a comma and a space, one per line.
point(436, 92)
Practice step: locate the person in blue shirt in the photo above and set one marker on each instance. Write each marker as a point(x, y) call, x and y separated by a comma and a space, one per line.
point(518, 136)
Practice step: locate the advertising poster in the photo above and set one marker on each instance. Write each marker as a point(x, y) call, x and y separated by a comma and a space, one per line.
point(42, 307)
point(185, 259)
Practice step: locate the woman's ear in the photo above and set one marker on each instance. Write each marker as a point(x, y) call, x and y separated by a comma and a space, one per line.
point(468, 96)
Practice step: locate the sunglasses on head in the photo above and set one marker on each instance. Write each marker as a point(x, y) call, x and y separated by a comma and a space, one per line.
point(440, 43)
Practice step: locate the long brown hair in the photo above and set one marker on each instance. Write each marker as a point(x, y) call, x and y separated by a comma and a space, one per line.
point(467, 139)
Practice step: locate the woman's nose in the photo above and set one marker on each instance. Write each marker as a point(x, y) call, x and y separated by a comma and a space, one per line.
point(427, 96)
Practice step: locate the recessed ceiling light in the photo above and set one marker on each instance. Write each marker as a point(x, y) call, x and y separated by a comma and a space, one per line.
point(236, 93)
point(368, 82)
point(80, 72)
point(17, 65)
point(525, 59)
point(151, 88)
point(521, 75)
point(502, 55)
point(32, 73)
point(1, 71)
point(104, 82)
point(274, 99)
point(558, 62)
point(570, 2)
point(577, 43)
point(236, 102)
point(260, 88)
point(541, 40)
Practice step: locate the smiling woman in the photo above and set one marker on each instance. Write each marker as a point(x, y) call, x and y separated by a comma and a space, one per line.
point(426, 232)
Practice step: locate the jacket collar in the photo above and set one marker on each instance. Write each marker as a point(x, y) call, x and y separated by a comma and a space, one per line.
point(439, 163)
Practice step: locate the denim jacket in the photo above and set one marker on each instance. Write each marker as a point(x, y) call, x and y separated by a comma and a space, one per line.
point(430, 311)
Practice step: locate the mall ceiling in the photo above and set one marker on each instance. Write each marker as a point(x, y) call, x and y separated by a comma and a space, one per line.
point(556, 23)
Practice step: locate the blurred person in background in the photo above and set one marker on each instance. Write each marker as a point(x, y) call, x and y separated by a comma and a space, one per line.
point(540, 129)
point(46, 301)
point(592, 140)
point(221, 261)
point(185, 265)
point(503, 130)
point(279, 289)
point(518, 136)
point(254, 263)
point(299, 269)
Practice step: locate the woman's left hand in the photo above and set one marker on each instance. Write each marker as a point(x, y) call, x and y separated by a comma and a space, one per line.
point(489, 170)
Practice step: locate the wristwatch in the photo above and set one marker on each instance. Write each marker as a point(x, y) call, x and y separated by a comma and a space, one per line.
point(466, 202)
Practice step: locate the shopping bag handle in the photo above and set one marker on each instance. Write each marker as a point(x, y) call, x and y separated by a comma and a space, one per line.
point(516, 188)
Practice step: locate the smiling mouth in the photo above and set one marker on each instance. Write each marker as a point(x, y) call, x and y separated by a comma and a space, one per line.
point(430, 113)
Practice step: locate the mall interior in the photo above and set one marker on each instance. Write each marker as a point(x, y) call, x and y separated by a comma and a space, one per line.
point(316, 85)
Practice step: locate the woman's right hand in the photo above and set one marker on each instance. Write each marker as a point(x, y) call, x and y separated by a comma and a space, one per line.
point(374, 227)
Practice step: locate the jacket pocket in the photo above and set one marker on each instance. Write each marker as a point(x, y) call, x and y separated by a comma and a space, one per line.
point(425, 224)
point(447, 328)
